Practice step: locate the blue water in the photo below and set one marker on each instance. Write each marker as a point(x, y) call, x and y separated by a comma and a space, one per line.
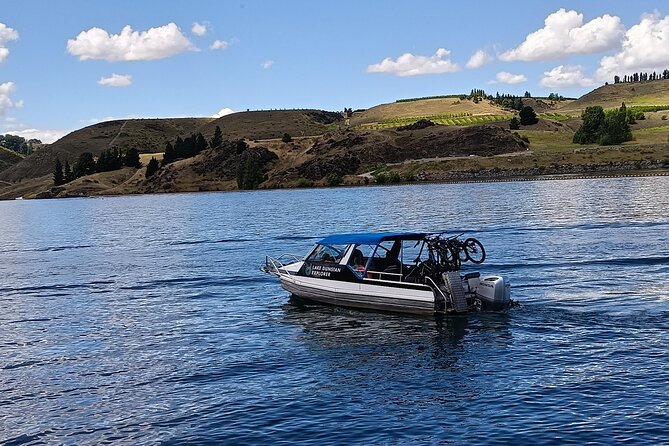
point(145, 320)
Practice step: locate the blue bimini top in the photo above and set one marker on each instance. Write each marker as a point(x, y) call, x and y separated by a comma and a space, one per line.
point(370, 238)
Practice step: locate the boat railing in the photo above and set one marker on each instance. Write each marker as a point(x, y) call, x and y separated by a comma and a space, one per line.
point(273, 265)
point(381, 275)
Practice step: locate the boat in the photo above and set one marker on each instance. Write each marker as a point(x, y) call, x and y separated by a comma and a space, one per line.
point(404, 272)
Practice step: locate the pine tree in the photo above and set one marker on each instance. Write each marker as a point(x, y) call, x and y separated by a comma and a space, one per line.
point(217, 139)
point(151, 168)
point(514, 124)
point(67, 172)
point(591, 129)
point(58, 173)
point(131, 158)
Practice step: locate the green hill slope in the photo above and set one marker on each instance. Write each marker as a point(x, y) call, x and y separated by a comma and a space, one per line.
point(612, 95)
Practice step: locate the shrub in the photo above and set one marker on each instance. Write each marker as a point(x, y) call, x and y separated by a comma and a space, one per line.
point(334, 180)
point(514, 124)
point(286, 138)
point(525, 138)
point(664, 117)
point(528, 116)
point(302, 182)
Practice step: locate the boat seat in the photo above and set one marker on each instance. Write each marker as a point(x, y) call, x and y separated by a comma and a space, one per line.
point(471, 276)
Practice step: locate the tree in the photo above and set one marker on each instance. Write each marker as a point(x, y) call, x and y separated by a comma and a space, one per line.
point(514, 124)
point(168, 156)
point(616, 127)
point(217, 139)
point(249, 173)
point(85, 165)
point(593, 122)
point(527, 94)
point(528, 116)
point(58, 178)
point(286, 138)
point(131, 158)
point(151, 168)
point(67, 172)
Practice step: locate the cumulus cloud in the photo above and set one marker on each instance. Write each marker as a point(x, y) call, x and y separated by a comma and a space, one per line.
point(267, 64)
point(129, 45)
point(505, 77)
point(645, 48)
point(566, 76)
point(565, 33)
point(116, 80)
point(46, 136)
point(199, 29)
point(223, 112)
point(478, 59)
point(411, 65)
point(219, 45)
point(7, 34)
point(6, 102)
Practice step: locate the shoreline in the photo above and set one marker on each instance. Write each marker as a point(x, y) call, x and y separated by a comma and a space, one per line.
point(498, 179)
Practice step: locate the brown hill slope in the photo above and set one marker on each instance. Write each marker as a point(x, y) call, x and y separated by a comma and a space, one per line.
point(147, 135)
point(8, 158)
point(612, 95)
point(271, 124)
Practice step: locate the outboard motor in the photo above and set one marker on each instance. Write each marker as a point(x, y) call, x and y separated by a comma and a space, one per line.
point(494, 293)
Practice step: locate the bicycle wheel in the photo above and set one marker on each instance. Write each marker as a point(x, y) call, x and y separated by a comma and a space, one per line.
point(474, 250)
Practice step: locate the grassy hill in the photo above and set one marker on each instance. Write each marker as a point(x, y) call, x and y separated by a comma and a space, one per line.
point(425, 108)
point(148, 135)
point(272, 124)
point(612, 95)
point(8, 158)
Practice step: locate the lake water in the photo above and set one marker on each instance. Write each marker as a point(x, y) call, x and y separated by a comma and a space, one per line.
point(145, 320)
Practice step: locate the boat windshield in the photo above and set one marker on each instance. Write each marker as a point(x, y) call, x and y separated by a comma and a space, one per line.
point(327, 253)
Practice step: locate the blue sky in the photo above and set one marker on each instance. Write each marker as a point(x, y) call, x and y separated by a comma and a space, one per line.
point(67, 64)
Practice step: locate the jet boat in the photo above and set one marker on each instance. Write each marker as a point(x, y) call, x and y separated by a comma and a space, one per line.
point(418, 273)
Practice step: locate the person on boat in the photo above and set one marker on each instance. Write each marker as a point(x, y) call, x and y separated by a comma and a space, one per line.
point(357, 261)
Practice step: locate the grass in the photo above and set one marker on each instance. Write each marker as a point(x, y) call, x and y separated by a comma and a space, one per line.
point(555, 116)
point(460, 119)
point(653, 135)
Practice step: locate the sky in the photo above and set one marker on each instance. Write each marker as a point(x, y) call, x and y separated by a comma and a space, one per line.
point(68, 64)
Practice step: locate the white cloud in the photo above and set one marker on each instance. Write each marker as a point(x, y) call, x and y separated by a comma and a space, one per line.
point(645, 48)
point(219, 45)
point(565, 76)
point(116, 80)
point(199, 29)
point(223, 112)
point(504, 77)
point(7, 34)
point(6, 102)
point(478, 59)
point(267, 64)
point(564, 33)
point(46, 136)
point(410, 65)
point(129, 45)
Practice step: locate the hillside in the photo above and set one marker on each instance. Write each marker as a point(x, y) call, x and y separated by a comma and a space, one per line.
point(424, 107)
point(8, 158)
point(270, 124)
point(612, 95)
point(148, 135)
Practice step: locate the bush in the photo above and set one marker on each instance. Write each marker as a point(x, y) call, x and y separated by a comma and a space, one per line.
point(525, 138)
point(334, 180)
point(664, 117)
point(302, 182)
point(528, 116)
point(514, 124)
point(286, 138)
